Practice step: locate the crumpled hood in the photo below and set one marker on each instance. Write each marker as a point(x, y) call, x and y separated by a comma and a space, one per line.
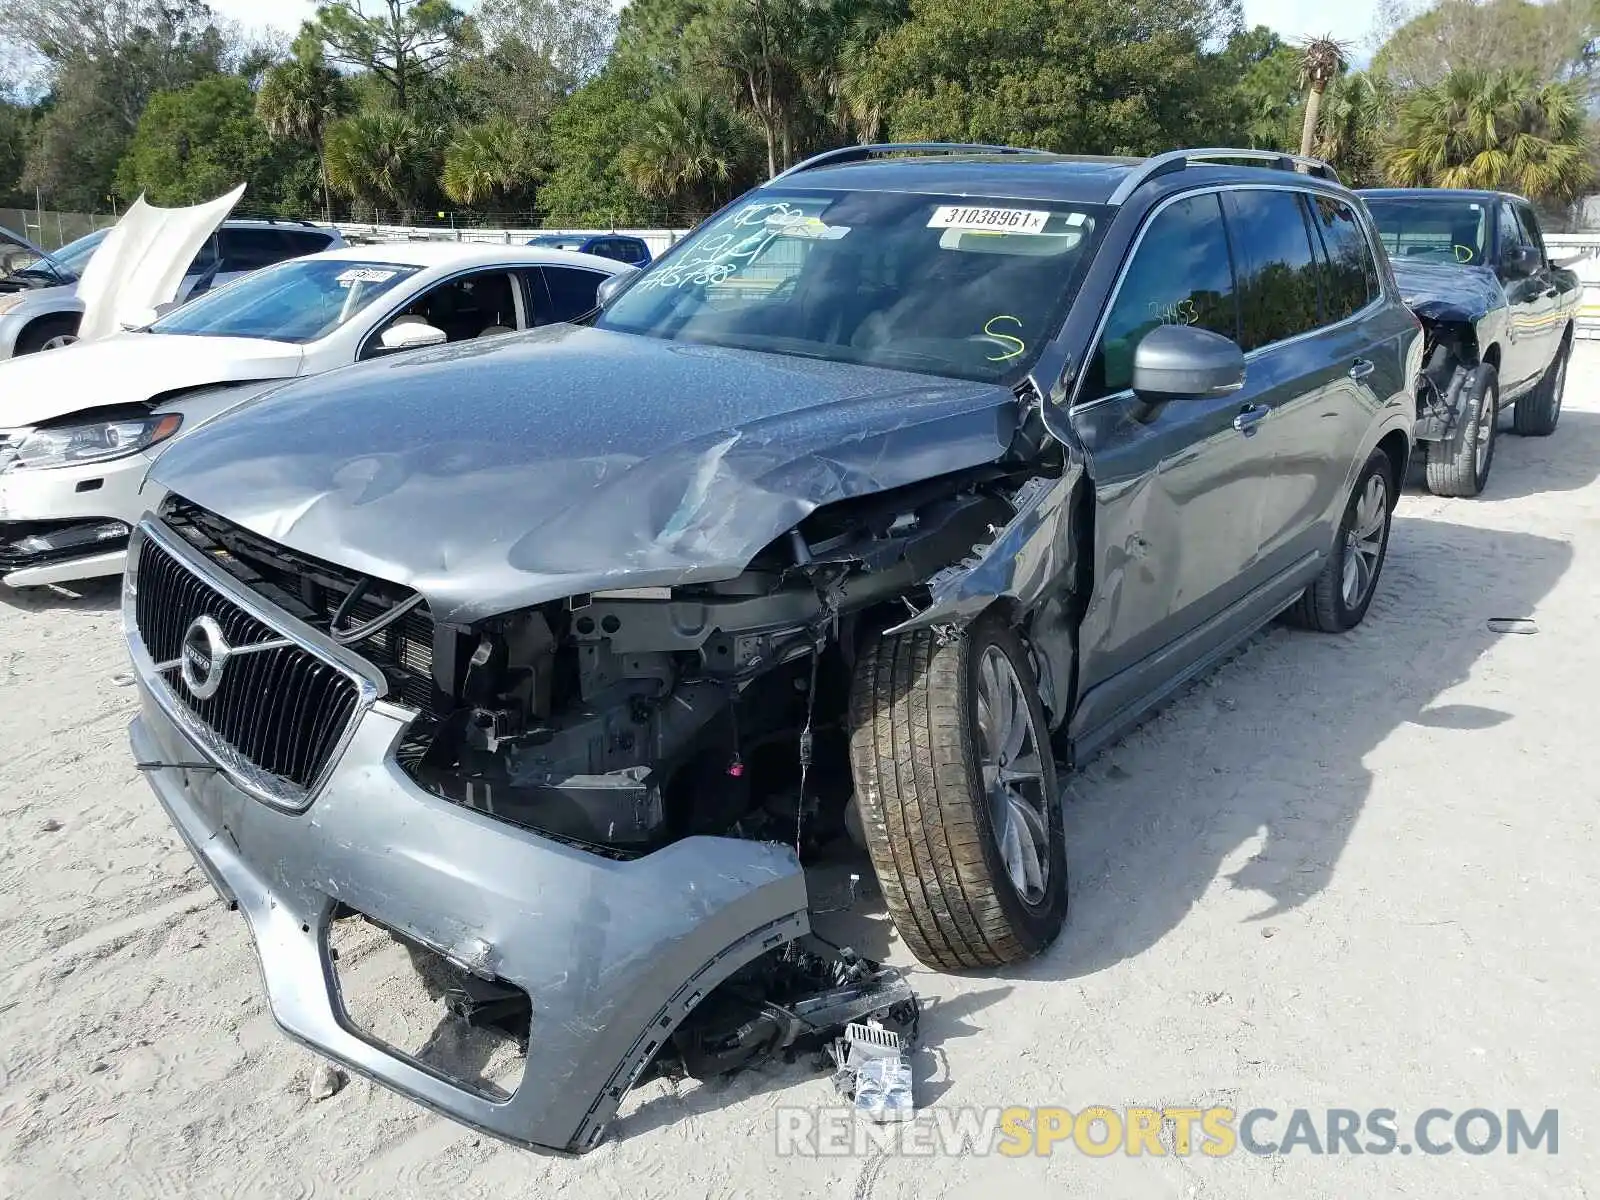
point(129, 368)
point(497, 474)
point(1430, 288)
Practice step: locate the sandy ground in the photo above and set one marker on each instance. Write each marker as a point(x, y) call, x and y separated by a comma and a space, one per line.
point(1350, 872)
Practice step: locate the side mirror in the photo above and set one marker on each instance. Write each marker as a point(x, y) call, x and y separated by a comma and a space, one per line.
point(1186, 362)
point(1522, 261)
point(612, 284)
point(410, 335)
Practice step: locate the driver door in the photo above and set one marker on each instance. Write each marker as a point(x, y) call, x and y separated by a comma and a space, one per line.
point(1179, 487)
point(1525, 306)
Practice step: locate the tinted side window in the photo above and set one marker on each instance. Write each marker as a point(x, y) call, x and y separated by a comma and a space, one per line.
point(304, 241)
point(1277, 274)
point(1349, 275)
point(1510, 235)
point(1530, 229)
point(571, 291)
point(1180, 275)
point(248, 249)
point(206, 258)
point(630, 251)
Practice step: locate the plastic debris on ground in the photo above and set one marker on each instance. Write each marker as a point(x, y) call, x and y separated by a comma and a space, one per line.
point(873, 1070)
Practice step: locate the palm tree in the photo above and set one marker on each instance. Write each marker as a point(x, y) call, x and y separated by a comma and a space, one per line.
point(840, 54)
point(1358, 111)
point(298, 99)
point(690, 147)
point(381, 158)
point(1501, 130)
point(491, 162)
point(1321, 59)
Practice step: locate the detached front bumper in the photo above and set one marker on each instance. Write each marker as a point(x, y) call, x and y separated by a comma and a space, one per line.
point(612, 954)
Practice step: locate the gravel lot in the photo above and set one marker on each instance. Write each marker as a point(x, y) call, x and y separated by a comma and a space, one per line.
point(1350, 873)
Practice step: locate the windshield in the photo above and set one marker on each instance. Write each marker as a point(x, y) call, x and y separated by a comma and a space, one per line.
point(295, 301)
point(74, 256)
point(23, 267)
point(1432, 229)
point(937, 284)
point(560, 243)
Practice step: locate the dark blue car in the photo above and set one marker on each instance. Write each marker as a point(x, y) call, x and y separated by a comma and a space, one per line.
point(630, 250)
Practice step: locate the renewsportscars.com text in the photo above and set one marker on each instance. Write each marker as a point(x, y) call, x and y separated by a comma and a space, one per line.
point(1100, 1131)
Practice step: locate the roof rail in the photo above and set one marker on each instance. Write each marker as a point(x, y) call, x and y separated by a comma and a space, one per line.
point(845, 154)
point(1177, 160)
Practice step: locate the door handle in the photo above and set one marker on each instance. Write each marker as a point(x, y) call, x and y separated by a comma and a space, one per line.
point(1249, 416)
point(1361, 368)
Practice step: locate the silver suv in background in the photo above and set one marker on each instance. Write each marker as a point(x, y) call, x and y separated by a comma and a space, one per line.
point(39, 305)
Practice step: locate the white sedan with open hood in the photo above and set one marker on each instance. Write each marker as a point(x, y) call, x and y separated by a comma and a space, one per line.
point(79, 427)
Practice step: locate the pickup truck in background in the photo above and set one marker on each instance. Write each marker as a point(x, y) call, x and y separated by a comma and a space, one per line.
point(1497, 319)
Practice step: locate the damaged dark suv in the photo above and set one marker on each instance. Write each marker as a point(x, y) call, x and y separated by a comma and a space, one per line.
point(906, 476)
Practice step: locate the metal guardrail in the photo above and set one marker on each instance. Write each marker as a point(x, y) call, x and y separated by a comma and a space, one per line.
point(1580, 252)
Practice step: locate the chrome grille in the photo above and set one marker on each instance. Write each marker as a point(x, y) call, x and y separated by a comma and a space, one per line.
point(283, 711)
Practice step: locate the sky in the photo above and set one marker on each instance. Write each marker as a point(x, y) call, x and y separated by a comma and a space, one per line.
point(1349, 20)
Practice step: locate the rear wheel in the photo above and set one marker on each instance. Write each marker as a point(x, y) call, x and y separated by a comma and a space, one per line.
point(957, 792)
point(47, 333)
point(1339, 597)
point(1536, 414)
point(1460, 465)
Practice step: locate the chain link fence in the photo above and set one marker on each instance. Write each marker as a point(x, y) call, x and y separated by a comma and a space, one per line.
point(51, 229)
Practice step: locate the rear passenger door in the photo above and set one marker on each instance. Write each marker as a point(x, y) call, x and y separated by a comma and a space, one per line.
point(1178, 486)
point(1300, 368)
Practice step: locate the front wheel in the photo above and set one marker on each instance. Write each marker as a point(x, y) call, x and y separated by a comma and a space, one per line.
point(47, 333)
point(1338, 598)
point(956, 785)
point(1460, 465)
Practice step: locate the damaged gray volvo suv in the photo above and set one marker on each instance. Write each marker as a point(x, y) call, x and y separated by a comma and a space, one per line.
point(905, 475)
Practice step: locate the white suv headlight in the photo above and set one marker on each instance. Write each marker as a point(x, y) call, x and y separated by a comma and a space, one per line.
point(91, 442)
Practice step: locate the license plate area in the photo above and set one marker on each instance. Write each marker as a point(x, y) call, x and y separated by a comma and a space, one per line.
point(413, 1002)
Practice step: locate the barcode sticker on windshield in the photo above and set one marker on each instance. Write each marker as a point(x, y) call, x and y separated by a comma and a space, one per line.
point(992, 220)
point(364, 275)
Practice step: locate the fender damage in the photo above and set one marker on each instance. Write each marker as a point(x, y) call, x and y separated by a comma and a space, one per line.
point(1462, 310)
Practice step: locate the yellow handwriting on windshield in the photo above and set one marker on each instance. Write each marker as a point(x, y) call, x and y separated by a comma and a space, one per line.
point(989, 328)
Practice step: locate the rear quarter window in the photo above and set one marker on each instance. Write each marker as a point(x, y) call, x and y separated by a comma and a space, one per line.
point(1349, 275)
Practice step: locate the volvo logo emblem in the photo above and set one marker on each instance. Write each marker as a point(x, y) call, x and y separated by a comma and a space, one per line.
point(202, 657)
point(204, 652)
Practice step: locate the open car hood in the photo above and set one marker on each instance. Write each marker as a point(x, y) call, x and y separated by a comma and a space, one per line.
point(143, 260)
point(502, 473)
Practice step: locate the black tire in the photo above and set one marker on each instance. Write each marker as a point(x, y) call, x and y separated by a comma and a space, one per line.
point(917, 753)
point(42, 332)
point(1455, 467)
point(1536, 414)
point(1325, 605)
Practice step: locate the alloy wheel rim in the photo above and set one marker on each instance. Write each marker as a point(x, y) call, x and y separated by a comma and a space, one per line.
point(1013, 775)
point(1561, 385)
point(1487, 414)
point(1363, 546)
point(58, 342)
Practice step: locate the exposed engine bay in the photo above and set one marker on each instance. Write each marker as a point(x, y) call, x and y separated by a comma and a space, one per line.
point(1450, 352)
point(622, 721)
